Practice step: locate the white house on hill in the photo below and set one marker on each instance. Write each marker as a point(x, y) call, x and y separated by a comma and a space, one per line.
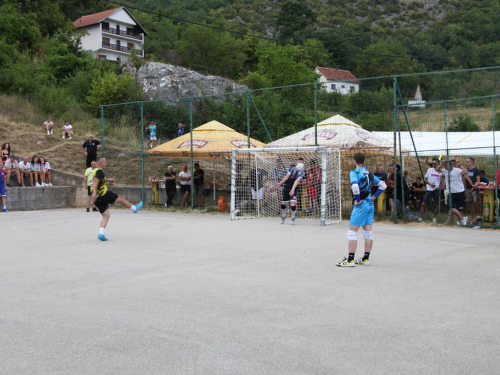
point(112, 34)
point(336, 80)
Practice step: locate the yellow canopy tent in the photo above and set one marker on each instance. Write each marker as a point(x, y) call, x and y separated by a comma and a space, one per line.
point(212, 140)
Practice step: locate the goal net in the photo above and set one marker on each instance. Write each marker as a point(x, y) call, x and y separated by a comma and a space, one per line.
point(254, 173)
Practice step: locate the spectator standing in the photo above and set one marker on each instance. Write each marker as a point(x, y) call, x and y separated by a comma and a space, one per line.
point(5, 152)
point(48, 126)
point(3, 194)
point(198, 179)
point(87, 179)
point(36, 171)
point(407, 178)
point(185, 179)
point(380, 173)
point(433, 180)
point(45, 172)
point(389, 191)
point(471, 193)
point(180, 130)
point(453, 180)
point(12, 167)
point(482, 177)
point(152, 135)
point(90, 150)
point(67, 130)
point(170, 187)
point(25, 170)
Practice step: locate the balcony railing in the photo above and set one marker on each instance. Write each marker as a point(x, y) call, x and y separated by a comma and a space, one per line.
point(116, 47)
point(122, 33)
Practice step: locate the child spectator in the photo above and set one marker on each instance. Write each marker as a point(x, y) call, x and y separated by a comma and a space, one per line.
point(45, 172)
point(48, 126)
point(482, 177)
point(36, 170)
point(180, 131)
point(25, 170)
point(152, 135)
point(12, 166)
point(67, 130)
point(2, 187)
point(5, 152)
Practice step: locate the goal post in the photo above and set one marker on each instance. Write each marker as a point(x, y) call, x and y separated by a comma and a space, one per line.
point(254, 172)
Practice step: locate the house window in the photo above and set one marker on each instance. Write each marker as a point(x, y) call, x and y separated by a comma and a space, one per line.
point(118, 29)
point(130, 45)
point(105, 41)
point(333, 86)
point(343, 86)
point(105, 25)
point(102, 57)
point(130, 31)
point(353, 89)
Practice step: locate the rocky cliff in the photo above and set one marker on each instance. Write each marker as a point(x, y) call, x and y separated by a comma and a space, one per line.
point(164, 81)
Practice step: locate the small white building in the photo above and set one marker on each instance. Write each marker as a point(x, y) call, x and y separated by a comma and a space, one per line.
point(417, 100)
point(112, 34)
point(336, 80)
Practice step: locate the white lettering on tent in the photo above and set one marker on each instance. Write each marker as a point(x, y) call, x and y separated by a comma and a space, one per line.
point(327, 134)
point(196, 143)
point(364, 136)
point(240, 143)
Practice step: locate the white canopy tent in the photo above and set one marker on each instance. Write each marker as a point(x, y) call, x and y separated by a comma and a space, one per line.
point(458, 143)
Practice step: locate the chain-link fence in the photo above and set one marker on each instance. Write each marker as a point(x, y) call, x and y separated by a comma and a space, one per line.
point(398, 120)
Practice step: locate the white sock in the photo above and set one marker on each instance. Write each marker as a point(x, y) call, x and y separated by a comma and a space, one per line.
point(293, 214)
point(132, 208)
point(4, 207)
point(283, 212)
point(101, 231)
point(48, 132)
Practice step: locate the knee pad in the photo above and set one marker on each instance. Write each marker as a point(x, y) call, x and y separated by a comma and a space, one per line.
point(294, 207)
point(283, 206)
point(352, 235)
point(367, 234)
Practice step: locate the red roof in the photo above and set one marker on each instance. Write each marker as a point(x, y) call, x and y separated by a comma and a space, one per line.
point(337, 74)
point(93, 19)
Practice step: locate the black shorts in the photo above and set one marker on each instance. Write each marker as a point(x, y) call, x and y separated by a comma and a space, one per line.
point(102, 203)
point(198, 190)
point(89, 159)
point(286, 194)
point(89, 193)
point(458, 200)
point(434, 194)
point(185, 189)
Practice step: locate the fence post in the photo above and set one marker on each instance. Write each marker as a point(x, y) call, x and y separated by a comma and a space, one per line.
point(315, 113)
point(395, 103)
point(102, 130)
point(495, 160)
point(191, 148)
point(142, 152)
point(248, 119)
point(450, 208)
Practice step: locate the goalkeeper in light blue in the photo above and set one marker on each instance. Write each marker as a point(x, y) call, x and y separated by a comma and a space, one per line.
point(362, 210)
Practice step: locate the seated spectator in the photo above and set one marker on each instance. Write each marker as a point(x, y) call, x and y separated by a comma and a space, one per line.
point(36, 171)
point(5, 152)
point(407, 178)
point(12, 167)
point(48, 126)
point(45, 172)
point(67, 130)
point(482, 177)
point(418, 185)
point(25, 170)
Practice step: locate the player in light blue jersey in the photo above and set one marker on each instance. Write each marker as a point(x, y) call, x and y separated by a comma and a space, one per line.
point(362, 210)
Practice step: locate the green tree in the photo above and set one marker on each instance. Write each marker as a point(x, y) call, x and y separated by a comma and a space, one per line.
point(293, 16)
point(463, 124)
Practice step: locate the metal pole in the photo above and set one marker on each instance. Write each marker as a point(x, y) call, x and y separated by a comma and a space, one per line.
point(403, 182)
point(191, 148)
point(495, 160)
point(143, 193)
point(102, 130)
point(323, 187)
point(248, 119)
point(257, 184)
point(450, 214)
point(315, 113)
point(395, 103)
point(233, 184)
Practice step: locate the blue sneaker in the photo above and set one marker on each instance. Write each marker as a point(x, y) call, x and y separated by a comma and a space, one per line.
point(102, 237)
point(138, 206)
point(5, 210)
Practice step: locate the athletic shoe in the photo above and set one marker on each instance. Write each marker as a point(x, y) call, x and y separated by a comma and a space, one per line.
point(5, 210)
point(45, 185)
point(8, 185)
point(102, 237)
point(38, 185)
point(138, 206)
point(464, 221)
point(94, 209)
point(88, 210)
point(283, 220)
point(51, 131)
point(293, 221)
point(69, 138)
point(362, 262)
point(48, 133)
point(62, 138)
point(49, 184)
point(459, 223)
point(345, 263)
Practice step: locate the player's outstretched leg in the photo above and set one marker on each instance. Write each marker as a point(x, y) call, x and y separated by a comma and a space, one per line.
point(125, 203)
point(104, 223)
point(353, 243)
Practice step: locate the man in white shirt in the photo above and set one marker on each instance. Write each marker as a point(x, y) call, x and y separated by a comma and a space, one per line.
point(25, 170)
point(12, 166)
point(67, 130)
point(433, 180)
point(48, 126)
point(185, 179)
point(455, 186)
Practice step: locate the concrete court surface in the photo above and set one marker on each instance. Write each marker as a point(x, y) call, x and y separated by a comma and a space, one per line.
point(177, 293)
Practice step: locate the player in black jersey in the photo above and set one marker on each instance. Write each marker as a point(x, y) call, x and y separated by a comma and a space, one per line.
point(290, 182)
